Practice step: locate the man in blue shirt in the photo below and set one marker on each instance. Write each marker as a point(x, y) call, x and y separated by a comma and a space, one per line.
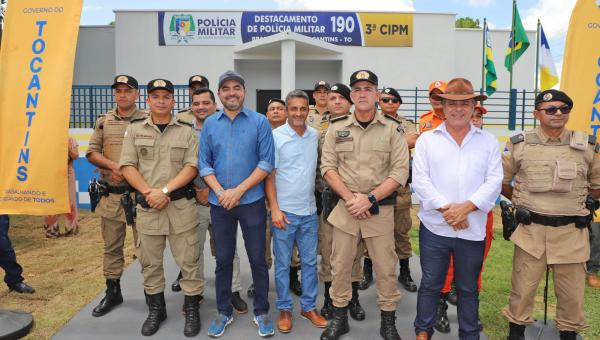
point(236, 155)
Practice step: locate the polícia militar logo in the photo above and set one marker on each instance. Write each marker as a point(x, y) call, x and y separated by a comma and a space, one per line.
point(182, 28)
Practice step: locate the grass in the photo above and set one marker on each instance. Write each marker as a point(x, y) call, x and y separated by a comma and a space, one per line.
point(497, 285)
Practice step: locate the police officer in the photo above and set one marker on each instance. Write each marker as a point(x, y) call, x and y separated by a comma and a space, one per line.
point(364, 160)
point(338, 105)
point(104, 152)
point(318, 112)
point(195, 82)
point(553, 169)
point(159, 159)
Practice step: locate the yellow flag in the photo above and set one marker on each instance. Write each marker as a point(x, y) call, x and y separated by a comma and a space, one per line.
point(36, 70)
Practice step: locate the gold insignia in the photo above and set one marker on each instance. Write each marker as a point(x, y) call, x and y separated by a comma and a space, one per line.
point(334, 88)
point(547, 97)
point(362, 75)
point(122, 79)
point(345, 133)
point(321, 82)
point(197, 78)
point(159, 83)
point(387, 91)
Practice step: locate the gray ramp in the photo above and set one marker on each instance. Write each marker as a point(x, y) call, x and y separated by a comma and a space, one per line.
point(126, 320)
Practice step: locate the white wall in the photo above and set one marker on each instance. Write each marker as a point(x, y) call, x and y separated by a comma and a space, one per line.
point(95, 56)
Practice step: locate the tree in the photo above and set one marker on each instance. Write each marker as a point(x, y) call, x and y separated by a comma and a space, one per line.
point(467, 22)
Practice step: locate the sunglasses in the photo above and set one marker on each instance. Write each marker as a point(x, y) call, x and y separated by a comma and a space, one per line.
point(551, 110)
point(388, 100)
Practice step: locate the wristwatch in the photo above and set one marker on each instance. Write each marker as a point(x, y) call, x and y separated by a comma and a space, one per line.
point(372, 199)
point(165, 190)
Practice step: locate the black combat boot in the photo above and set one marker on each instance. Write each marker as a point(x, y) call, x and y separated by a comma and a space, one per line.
point(367, 275)
point(453, 296)
point(338, 326)
point(356, 310)
point(442, 324)
point(238, 303)
point(388, 330)
point(327, 310)
point(112, 298)
point(295, 285)
point(175, 286)
point(568, 335)
point(404, 278)
point(157, 313)
point(516, 332)
point(191, 310)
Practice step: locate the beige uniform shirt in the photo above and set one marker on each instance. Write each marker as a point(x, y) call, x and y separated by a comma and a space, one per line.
point(533, 162)
point(159, 157)
point(404, 194)
point(316, 119)
point(321, 131)
point(186, 115)
point(364, 158)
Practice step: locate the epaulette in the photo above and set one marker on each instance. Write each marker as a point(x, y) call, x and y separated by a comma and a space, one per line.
point(181, 121)
point(516, 139)
point(392, 118)
point(340, 118)
point(100, 121)
point(138, 119)
point(592, 139)
point(184, 110)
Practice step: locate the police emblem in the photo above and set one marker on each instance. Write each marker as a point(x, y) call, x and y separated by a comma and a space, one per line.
point(159, 83)
point(362, 75)
point(144, 151)
point(344, 133)
point(197, 78)
point(547, 97)
point(387, 91)
point(322, 82)
point(438, 84)
point(334, 88)
point(122, 79)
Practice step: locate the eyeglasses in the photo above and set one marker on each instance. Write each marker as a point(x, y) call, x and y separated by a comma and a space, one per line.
point(393, 100)
point(551, 110)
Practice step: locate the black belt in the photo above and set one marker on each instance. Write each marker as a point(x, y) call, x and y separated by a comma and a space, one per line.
point(390, 200)
point(556, 221)
point(118, 190)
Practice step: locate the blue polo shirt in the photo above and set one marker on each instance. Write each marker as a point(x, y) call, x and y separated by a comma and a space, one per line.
point(232, 149)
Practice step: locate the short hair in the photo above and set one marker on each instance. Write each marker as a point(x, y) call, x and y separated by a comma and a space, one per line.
point(203, 90)
point(296, 94)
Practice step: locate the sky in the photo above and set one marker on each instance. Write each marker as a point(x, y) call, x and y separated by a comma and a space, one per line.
point(554, 14)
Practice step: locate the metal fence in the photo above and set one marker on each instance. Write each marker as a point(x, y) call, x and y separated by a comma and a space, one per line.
point(87, 102)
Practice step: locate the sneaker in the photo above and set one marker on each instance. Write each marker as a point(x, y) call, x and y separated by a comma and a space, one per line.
point(265, 326)
point(218, 325)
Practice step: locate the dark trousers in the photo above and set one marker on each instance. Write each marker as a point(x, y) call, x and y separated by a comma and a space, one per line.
point(435, 256)
point(8, 259)
point(252, 220)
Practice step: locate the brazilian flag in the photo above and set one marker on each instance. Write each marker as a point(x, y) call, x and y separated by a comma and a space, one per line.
point(490, 69)
point(521, 42)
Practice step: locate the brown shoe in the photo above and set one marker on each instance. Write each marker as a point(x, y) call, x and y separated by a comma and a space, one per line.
point(593, 281)
point(315, 318)
point(422, 336)
point(284, 324)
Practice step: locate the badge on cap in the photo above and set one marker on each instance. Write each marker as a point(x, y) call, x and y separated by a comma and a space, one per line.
point(362, 75)
point(197, 78)
point(438, 84)
point(159, 83)
point(322, 82)
point(387, 91)
point(334, 88)
point(547, 97)
point(122, 79)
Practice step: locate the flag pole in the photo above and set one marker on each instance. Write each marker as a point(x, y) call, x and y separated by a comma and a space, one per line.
point(537, 57)
point(483, 57)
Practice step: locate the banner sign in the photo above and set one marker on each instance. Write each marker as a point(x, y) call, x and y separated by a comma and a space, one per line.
point(36, 70)
point(235, 28)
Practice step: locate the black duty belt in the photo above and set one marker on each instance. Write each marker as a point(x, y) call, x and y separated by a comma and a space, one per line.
point(121, 189)
point(390, 200)
point(555, 221)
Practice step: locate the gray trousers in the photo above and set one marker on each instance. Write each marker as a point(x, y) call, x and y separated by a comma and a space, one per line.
point(593, 265)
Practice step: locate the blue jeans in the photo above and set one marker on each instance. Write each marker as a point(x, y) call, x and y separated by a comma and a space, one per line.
point(8, 259)
point(303, 230)
point(252, 220)
point(435, 256)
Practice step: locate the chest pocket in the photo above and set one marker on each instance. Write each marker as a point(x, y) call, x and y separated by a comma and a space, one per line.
point(380, 158)
point(539, 175)
point(564, 175)
point(177, 150)
point(343, 149)
point(145, 148)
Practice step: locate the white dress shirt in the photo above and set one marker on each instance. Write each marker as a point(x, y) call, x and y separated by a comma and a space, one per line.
point(445, 172)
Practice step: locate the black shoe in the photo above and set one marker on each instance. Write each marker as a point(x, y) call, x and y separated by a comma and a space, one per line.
point(516, 332)
point(22, 287)
point(192, 315)
point(452, 297)
point(175, 286)
point(112, 298)
point(295, 285)
point(327, 310)
point(157, 313)
point(404, 278)
point(442, 324)
point(338, 326)
point(388, 330)
point(356, 310)
point(367, 275)
point(250, 291)
point(238, 304)
point(568, 335)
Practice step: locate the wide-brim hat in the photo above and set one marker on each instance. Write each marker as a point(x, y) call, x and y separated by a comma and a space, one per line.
point(459, 89)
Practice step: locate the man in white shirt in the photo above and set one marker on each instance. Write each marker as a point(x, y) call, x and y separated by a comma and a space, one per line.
point(457, 175)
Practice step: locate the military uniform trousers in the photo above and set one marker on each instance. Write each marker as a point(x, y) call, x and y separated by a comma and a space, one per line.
point(324, 248)
point(569, 287)
point(402, 225)
point(381, 248)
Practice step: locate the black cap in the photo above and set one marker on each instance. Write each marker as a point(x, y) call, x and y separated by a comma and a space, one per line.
point(392, 92)
point(343, 90)
point(322, 83)
point(275, 100)
point(365, 75)
point(198, 79)
point(160, 84)
point(231, 75)
point(125, 80)
point(553, 96)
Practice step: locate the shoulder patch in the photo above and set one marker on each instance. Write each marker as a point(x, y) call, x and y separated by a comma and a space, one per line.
point(393, 118)
point(400, 129)
point(592, 139)
point(516, 139)
point(138, 119)
point(181, 121)
point(337, 119)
